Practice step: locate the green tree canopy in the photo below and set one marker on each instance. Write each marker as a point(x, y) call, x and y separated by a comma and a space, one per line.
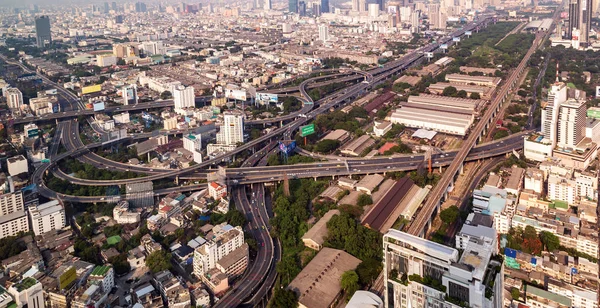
point(550, 240)
point(283, 298)
point(159, 260)
point(349, 283)
point(475, 95)
point(364, 200)
point(450, 214)
point(449, 91)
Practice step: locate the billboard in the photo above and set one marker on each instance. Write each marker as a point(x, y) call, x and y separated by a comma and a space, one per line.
point(32, 133)
point(456, 39)
point(307, 130)
point(444, 46)
point(287, 149)
point(468, 33)
point(267, 97)
point(55, 107)
point(429, 54)
point(98, 106)
point(67, 278)
point(235, 94)
point(597, 91)
point(91, 89)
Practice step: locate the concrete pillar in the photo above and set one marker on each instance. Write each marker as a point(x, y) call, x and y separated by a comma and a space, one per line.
point(177, 180)
point(281, 123)
point(462, 168)
point(148, 156)
point(440, 169)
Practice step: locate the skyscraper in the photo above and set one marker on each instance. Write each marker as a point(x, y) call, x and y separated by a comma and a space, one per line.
point(324, 6)
point(140, 7)
point(580, 17)
point(293, 6)
point(381, 4)
point(437, 19)
point(42, 31)
point(114, 6)
point(355, 5)
point(556, 96)
point(302, 8)
point(571, 123)
point(14, 98)
point(316, 10)
point(268, 5)
point(106, 7)
point(323, 33)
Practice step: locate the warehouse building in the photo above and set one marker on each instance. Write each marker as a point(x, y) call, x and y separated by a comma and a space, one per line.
point(484, 92)
point(449, 115)
point(474, 80)
point(358, 145)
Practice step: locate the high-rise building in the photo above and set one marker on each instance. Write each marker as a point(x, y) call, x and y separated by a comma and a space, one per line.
point(556, 96)
point(140, 7)
point(42, 31)
point(316, 10)
point(437, 18)
point(373, 10)
point(415, 21)
point(422, 273)
point(268, 5)
point(580, 16)
point(355, 5)
point(302, 8)
point(129, 94)
point(28, 293)
point(381, 4)
point(119, 19)
point(323, 33)
point(14, 98)
point(183, 97)
point(232, 130)
point(114, 6)
point(324, 6)
point(13, 218)
point(362, 5)
point(224, 241)
point(47, 217)
point(571, 123)
point(293, 6)
point(106, 7)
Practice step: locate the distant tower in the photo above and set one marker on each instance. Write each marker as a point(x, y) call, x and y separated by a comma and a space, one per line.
point(324, 6)
point(268, 5)
point(293, 6)
point(323, 33)
point(42, 31)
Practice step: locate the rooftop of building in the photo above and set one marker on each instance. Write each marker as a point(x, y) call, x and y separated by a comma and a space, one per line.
point(533, 291)
point(25, 284)
point(318, 283)
point(421, 245)
point(100, 270)
point(318, 232)
point(234, 256)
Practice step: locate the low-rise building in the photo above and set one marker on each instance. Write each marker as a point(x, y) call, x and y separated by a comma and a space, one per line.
point(315, 236)
point(381, 128)
point(357, 146)
point(104, 277)
point(17, 165)
point(368, 184)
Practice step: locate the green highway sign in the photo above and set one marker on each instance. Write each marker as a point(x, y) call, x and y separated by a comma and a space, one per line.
point(307, 130)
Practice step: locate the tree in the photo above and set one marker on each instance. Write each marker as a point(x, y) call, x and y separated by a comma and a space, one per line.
point(364, 200)
point(159, 260)
point(515, 293)
point(500, 134)
point(549, 240)
point(449, 91)
point(461, 94)
point(283, 298)
point(529, 233)
point(166, 95)
point(349, 283)
point(368, 270)
point(235, 218)
point(475, 95)
point(326, 146)
point(532, 246)
point(120, 264)
point(450, 214)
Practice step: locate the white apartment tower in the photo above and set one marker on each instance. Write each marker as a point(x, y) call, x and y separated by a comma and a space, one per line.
point(268, 5)
point(421, 273)
point(571, 123)
point(415, 21)
point(225, 239)
point(556, 96)
point(47, 217)
point(13, 218)
point(14, 98)
point(323, 33)
point(232, 130)
point(183, 97)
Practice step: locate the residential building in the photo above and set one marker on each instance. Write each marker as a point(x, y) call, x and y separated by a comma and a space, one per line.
point(232, 130)
point(418, 272)
point(217, 190)
point(28, 293)
point(323, 33)
point(571, 123)
point(534, 180)
point(171, 290)
point(235, 263)
point(222, 240)
point(122, 214)
point(13, 218)
point(103, 276)
point(43, 37)
point(17, 165)
point(14, 98)
point(557, 95)
point(183, 97)
point(47, 216)
point(106, 60)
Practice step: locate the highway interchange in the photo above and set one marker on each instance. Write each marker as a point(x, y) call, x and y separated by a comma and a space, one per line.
point(260, 274)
